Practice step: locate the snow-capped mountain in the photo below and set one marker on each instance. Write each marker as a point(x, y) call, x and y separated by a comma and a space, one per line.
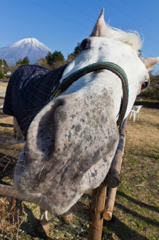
point(29, 47)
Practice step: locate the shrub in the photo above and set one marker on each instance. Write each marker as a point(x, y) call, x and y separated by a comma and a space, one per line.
point(153, 90)
point(151, 93)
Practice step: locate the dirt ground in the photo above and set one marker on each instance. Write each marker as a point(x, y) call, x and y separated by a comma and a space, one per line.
point(136, 212)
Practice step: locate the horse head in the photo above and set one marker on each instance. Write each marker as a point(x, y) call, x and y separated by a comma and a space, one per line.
point(72, 141)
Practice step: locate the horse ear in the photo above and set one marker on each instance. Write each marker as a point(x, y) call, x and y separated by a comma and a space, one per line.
point(100, 29)
point(150, 62)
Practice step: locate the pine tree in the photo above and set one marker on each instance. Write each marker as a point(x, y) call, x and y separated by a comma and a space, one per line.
point(57, 57)
point(49, 58)
point(26, 61)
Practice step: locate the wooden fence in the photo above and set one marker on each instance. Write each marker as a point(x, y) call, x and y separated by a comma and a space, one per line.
point(103, 197)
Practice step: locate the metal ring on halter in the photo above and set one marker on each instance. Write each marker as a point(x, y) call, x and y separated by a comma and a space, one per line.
point(94, 67)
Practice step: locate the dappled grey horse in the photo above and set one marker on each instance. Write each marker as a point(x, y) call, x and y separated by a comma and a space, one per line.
point(71, 142)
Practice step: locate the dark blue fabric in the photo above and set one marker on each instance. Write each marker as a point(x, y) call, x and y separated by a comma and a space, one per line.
point(29, 90)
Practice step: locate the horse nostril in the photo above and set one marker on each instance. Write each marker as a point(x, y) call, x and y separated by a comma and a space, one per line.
point(144, 85)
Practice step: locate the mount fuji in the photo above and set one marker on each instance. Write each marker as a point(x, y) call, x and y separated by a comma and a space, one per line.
point(29, 47)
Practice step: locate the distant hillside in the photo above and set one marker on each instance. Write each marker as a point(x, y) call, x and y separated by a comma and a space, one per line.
point(30, 47)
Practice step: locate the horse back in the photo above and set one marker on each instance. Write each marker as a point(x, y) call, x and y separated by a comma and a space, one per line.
point(28, 91)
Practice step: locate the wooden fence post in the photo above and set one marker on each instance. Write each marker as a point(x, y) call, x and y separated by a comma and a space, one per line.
point(98, 205)
point(109, 206)
point(96, 213)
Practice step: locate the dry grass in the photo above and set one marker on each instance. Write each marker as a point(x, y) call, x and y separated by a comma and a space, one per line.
point(12, 216)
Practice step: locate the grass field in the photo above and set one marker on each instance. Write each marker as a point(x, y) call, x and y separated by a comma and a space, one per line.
point(136, 212)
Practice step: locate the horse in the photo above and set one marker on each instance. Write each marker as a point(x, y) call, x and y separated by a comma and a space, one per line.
point(72, 136)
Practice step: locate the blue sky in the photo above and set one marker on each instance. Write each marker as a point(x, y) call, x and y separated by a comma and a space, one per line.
point(61, 24)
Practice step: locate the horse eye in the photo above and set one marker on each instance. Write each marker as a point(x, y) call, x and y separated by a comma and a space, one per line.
point(85, 44)
point(144, 85)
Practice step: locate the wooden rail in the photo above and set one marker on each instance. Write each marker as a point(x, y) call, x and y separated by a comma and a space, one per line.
point(11, 142)
point(113, 177)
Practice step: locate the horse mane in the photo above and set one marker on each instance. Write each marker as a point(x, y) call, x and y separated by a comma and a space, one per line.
point(101, 29)
point(131, 38)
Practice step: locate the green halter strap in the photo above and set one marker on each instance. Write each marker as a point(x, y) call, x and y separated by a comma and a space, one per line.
point(94, 67)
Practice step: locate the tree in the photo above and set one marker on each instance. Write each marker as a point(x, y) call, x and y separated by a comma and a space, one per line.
point(49, 58)
point(73, 55)
point(19, 62)
point(24, 61)
point(5, 66)
point(153, 90)
point(76, 50)
point(57, 57)
point(54, 57)
point(70, 58)
point(42, 62)
point(2, 75)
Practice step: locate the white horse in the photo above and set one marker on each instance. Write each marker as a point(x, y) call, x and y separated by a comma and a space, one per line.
point(71, 142)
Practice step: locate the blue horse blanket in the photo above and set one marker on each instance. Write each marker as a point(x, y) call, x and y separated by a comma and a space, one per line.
point(29, 90)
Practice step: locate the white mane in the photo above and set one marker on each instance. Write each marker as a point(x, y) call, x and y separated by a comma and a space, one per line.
point(102, 29)
point(130, 38)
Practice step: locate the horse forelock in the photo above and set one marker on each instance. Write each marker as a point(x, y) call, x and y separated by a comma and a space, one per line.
point(102, 29)
point(131, 38)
